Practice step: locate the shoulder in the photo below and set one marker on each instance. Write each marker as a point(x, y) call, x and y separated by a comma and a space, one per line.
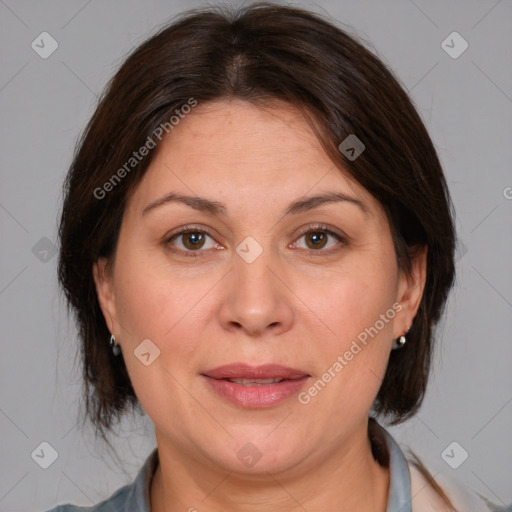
point(427, 490)
point(134, 497)
point(115, 502)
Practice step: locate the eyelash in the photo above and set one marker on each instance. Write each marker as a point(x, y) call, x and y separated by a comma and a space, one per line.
point(308, 229)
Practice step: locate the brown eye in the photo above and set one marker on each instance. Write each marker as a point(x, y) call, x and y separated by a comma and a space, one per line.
point(190, 240)
point(316, 239)
point(193, 240)
point(319, 239)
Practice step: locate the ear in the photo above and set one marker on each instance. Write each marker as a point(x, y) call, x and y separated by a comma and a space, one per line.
point(410, 290)
point(103, 280)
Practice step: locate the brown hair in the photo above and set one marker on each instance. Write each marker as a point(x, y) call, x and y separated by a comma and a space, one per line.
point(259, 53)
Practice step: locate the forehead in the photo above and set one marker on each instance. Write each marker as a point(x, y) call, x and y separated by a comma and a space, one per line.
point(235, 151)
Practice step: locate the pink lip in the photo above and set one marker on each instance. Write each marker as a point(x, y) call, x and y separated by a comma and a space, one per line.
point(246, 371)
point(257, 396)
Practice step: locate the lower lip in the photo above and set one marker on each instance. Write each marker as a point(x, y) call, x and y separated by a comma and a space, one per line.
point(256, 397)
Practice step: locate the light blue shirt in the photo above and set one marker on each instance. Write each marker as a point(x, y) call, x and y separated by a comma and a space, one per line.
point(135, 497)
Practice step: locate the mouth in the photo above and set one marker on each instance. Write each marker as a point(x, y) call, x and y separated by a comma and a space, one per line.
point(255, 382)
point(242, 371)
point(255, 386)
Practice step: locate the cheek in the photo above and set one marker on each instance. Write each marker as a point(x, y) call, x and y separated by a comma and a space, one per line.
point(166, 309)
point(170, 307)
point(152, 298)
point(351, 300)
point(357, 307)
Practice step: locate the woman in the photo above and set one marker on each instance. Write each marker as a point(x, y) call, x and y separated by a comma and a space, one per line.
point(257, 223)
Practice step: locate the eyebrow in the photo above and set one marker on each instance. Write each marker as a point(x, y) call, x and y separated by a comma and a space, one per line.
point(205, 205)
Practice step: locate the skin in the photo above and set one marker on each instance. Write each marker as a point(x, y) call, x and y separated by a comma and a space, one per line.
point(295, 305)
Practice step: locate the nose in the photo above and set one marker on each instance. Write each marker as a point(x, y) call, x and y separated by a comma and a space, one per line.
point(256, 300)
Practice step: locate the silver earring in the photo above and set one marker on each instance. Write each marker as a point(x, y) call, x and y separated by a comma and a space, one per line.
point(115, 347)
point(399, 342)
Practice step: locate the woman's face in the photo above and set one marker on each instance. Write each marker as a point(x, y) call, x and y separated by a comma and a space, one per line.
point(266, 275)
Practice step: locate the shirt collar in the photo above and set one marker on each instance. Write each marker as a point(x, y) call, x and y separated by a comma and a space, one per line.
point(399, 496)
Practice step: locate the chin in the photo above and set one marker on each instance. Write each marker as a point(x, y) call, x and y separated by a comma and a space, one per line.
point(256, 452)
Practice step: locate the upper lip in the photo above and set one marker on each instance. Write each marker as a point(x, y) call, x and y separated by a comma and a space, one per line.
point(247, 371)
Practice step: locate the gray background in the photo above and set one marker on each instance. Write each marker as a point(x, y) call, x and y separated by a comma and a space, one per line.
point(466, 104)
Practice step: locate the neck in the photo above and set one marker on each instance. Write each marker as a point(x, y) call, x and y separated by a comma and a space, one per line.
point(348, 479)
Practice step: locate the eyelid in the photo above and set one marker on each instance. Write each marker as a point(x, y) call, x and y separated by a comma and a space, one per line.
point(187, 228)
point(321, 227)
